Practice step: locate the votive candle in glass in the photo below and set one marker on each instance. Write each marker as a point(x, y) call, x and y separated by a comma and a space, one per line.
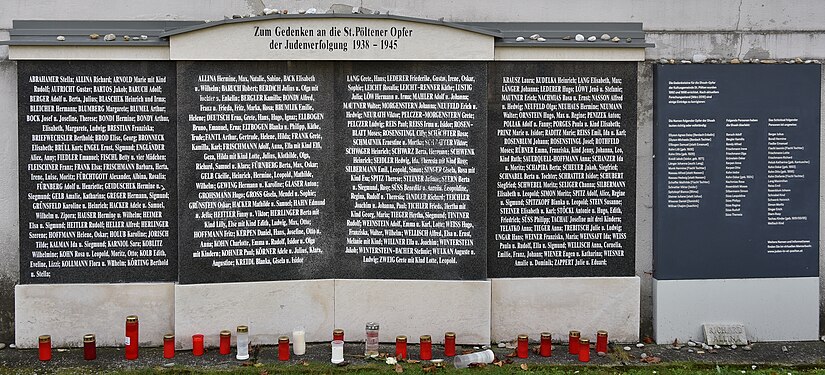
point(44, 347)
point(401, 347)
point(337, 334)
point(573, 342)
point(425, 350)
point(337, 351)
point(89, 347)
point(283, 348)
point(197, 344)
point(242, 343)
point(546, 345)
point(601, 341)
point(169, 346)
point(523, 346)
point(132, 337)
point(225, 345)
point(584, 350)
point(449, 344)
point(299, 344)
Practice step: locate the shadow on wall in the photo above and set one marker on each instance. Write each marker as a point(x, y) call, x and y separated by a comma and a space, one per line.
point(7, 309)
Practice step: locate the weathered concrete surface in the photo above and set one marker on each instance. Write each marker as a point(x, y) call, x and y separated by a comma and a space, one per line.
point(414, 308)
point(9, 229)
point(558, 305)
point(644, 194)
point(69, 311)
point(772, 309)
point(270, 309)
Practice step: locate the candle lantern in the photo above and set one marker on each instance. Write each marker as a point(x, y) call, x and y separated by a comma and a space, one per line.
point(584, 350)
point(522, 347)
point(449, 344)
point(283, 348)
point(243, 343)
point(225, 345)
point(601, 342)
point(44, 347)
point(132, 337)
point(573, 342)
point(425, 344)
point(299, 344)
point(89, 347)
point(338, 334)
point(546, 345)
point(371, 343)
point(197, 345)
point(337, 351)
point(401, 347)
point(169, 346)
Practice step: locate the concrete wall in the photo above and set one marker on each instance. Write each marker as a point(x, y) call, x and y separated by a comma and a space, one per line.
point(718, 28)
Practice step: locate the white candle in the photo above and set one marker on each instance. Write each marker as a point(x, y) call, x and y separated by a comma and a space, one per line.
point(299, 344)
point(337, 351)
point(243, 343)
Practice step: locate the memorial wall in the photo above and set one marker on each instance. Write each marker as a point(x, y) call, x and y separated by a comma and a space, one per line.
point(98, 188)
point(294, 170)
point(562, 165)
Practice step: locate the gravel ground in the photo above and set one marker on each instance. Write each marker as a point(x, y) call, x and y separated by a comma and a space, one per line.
point(777, 353)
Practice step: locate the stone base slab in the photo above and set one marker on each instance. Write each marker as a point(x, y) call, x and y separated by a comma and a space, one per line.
point(772, 309)
point(414, 308)
point(66, 312)
point(270, 309)
point(557, 305)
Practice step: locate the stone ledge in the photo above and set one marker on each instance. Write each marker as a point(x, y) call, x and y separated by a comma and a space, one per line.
point(558, 305)
point(69, 311)
point(269, 308)
point(414, 308)
point(775, 309)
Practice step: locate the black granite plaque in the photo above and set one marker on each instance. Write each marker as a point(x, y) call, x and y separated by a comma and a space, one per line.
point(97, 172)
point(736, 171)
point(256, 147)
point(411, 172)
point(562, 169)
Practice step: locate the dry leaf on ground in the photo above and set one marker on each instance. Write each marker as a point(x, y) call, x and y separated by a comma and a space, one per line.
point(651, 359)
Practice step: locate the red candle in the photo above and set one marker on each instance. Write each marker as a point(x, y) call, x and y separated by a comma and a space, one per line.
point(338, 334)
point(425, 344)
point(197, 344)
point(522, 349)
point(573, 341)
point(169, 346)
point(546, 347)
point(283, 348)
point(45, 347)
point(89, 347)
point(449, 344)
point(584, 350)
point(226, 341)
point(601, 342)
point(401, 347)
point(131, 337)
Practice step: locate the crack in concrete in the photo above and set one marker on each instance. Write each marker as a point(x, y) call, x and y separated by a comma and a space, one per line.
point(738, 20)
